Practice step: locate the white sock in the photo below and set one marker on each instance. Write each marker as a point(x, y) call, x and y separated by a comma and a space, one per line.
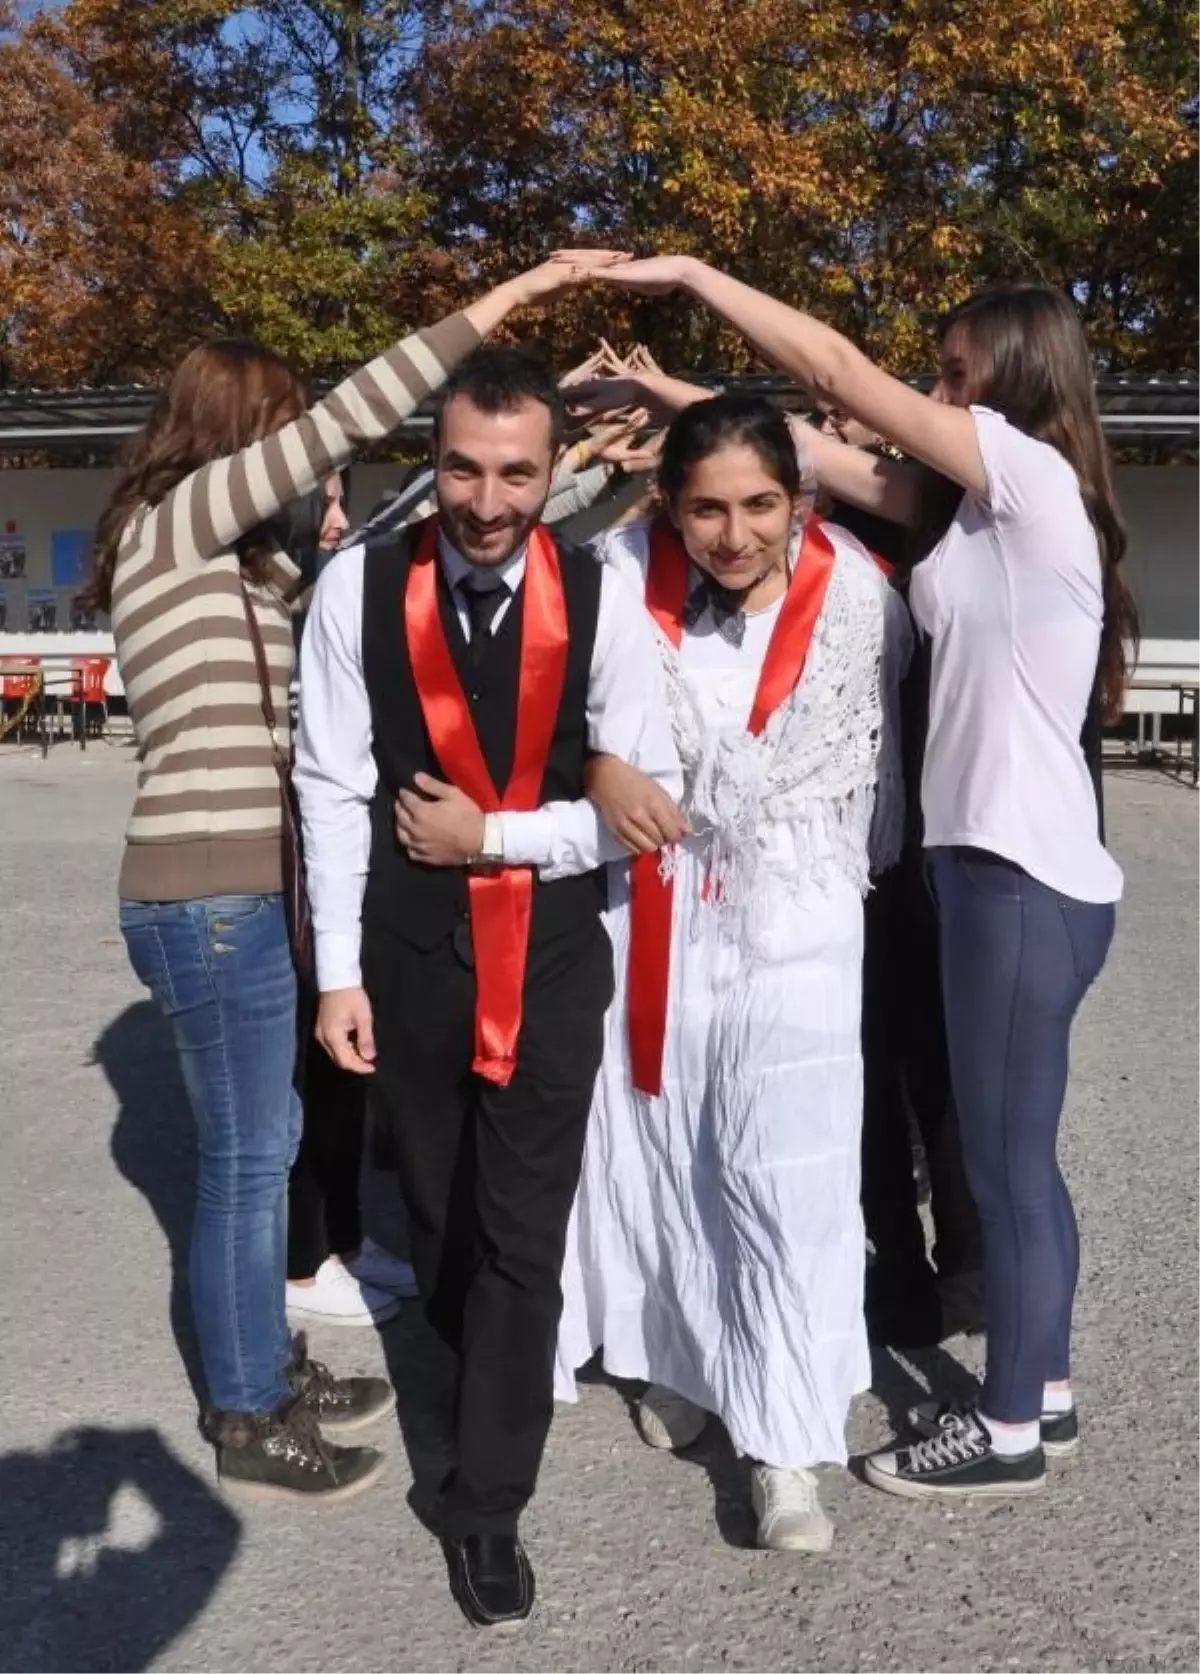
point(1008, 1440)
point(1057, 1400)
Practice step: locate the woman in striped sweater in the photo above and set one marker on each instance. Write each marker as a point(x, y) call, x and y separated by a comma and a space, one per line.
point(192, 563)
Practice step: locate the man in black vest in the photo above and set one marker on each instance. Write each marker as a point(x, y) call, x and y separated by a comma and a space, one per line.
point(456, 678)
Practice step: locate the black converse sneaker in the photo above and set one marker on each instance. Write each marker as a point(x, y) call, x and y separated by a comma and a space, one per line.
point(1060, 1430)
point(342, 1405)
point(955, 1461)
point(282, 1455)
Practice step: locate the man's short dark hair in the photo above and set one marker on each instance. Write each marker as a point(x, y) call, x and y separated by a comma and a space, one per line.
point(501, 377)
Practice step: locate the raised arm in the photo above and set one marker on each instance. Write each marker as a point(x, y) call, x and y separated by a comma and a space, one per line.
point(883, 486)
point(825, 362)
point(209, 510)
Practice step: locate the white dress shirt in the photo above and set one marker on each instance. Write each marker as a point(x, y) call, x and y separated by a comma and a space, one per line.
point(336, 777)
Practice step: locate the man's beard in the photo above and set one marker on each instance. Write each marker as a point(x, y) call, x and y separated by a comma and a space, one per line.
point(465, 535)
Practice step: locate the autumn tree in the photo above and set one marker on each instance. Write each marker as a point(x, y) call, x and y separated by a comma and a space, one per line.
point(1097, 199)
point(872, 162)
point(104, 266)
point(269, 161)
point(288, 114)
point(326, 173)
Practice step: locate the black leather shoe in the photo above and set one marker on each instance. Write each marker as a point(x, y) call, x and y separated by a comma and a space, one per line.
point(491, 1578)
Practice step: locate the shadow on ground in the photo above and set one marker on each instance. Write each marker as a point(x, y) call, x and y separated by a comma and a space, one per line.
point(900, 1378)
point(109, 1547)
point(154, 1147)
point(713, 1452)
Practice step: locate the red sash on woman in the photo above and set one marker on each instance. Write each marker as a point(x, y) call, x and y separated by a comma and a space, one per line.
point(501, 904)
point(651, 895)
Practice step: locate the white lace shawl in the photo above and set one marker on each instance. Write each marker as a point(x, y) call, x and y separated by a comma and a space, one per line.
point(827, 765)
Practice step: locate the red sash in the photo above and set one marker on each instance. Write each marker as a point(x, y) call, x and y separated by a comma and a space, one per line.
point(652, 895)
point(501, 904)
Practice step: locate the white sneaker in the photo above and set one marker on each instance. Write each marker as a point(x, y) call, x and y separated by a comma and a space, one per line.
point(790, 1518)
point(373, 1265)
point(666, 1420)
point(337, 1298)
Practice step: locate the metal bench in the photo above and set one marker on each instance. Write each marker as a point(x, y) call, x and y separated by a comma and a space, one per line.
point(1166, 681)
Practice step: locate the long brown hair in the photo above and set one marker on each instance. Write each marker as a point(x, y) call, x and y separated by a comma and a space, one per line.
point(1026, 356)
point(222, 396)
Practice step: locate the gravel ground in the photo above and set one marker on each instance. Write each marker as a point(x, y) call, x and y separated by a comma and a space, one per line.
point(116, 1552)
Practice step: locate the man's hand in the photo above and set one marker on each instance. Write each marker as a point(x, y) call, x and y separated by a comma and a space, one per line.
point(345, 1030)
point(438, 824)
point(638, 812)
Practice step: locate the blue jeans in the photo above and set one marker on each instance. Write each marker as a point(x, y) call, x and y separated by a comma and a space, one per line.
point(221, 971)
point(1017, 960)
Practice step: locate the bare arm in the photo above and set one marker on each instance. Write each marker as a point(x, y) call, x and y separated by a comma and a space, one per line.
point(883, 486)
point(886, 487)
point(824, 361)
point(210, 509)
point(831, 366)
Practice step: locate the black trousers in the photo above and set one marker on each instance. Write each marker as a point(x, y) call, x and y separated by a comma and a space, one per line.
point(906, 1068)
point(489, 1175)
point(323, 1189)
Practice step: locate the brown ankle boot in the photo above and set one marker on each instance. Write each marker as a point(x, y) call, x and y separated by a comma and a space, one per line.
point(282, 1455)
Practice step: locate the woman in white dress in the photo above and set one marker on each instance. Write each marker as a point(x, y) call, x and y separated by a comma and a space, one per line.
point(717, 1244)
point(1032, 633)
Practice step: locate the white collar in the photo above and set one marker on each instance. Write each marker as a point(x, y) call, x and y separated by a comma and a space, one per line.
point(456, 568)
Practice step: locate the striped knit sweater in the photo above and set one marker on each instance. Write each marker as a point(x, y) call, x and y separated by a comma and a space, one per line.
point(207, 817)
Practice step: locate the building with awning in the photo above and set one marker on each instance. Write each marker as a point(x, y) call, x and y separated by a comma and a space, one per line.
point(1135, 407)
point(57, 449)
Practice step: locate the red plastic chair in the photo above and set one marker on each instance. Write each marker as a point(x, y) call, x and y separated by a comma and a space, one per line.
point(88, 686)
point(16, 688)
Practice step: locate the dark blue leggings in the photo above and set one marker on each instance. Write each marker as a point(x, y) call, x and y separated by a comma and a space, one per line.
point(1017, 959)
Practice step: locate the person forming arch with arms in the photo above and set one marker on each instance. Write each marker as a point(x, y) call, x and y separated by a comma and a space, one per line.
point(194, 564)
point(717, 1247)
point(1027, 611)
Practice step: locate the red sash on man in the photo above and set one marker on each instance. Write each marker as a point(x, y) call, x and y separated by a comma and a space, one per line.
point(668, 582)
point(501, 904)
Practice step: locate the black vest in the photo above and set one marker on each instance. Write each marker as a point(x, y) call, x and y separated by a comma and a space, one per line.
point(425, 904)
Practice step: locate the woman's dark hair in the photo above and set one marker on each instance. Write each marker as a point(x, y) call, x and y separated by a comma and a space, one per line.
point(728, 421)
point(1025, 355)
point(938, 500)
point(222, 397)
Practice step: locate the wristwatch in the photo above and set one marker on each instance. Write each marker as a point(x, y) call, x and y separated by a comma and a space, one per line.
point(491, 848)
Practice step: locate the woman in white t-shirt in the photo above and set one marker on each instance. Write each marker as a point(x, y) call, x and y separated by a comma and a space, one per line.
point(1028, 617)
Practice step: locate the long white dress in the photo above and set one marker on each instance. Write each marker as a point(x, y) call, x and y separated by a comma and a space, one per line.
point(716, 1244)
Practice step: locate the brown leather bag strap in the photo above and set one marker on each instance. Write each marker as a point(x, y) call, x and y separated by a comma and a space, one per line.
point(264, 681)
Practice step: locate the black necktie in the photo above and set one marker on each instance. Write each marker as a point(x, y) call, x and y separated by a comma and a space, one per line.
point(729, 618)
point(482, 603)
